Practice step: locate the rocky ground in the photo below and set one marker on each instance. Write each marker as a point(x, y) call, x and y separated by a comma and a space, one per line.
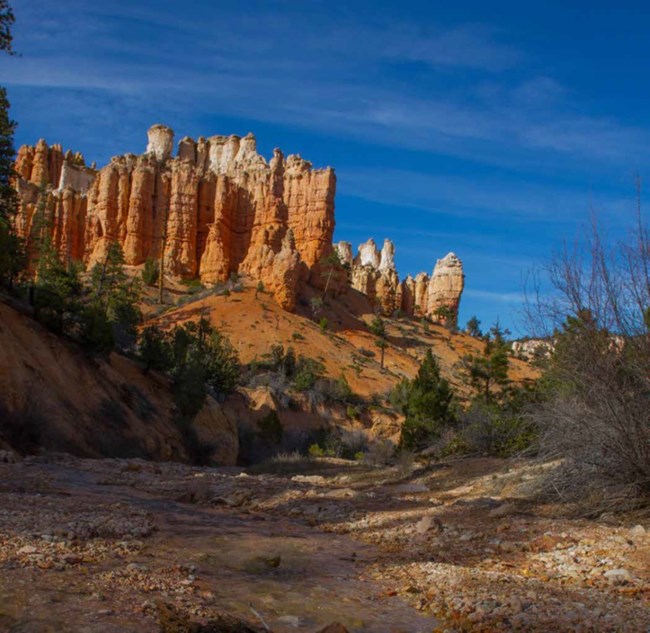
point(100, 545)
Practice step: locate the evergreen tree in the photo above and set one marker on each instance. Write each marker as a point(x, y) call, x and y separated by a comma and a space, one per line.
point(7, 20)
point(473, 327)
point(150, 272)
point(155, 349)
point(429, 405)
point(487, 373)
point(378, 328)
point(198, 358)
point(57, 291)
point(12, 256)
point(111, 315)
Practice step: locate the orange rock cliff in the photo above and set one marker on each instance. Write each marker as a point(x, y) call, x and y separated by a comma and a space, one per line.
point(214, 209)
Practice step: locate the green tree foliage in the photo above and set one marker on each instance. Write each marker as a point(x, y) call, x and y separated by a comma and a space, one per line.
point(111, 315)
point(445, 314)
point(378, 327)
point(487, 373)
point(330, 265)
point(308, 371)
point(155, 349)
point(473, 327)
point(12, 256)
point(428, 403)
point(502, 429)
point(199, 359)
point(7, 20)
point(57, 293)
point(150, 272)
point(283, 362)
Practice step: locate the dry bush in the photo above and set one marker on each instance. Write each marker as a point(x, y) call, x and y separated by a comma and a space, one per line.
point(596, 415)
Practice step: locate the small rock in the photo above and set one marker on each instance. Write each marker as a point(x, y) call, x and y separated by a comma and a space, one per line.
point(637, 530)
point(291, 620)
point(72, 559)
point(618, 576)
point(27, 549)
point(428, 523)
point(502, 510)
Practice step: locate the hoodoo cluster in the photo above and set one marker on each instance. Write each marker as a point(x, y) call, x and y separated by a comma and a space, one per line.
point(373, 273)
point(215, 208)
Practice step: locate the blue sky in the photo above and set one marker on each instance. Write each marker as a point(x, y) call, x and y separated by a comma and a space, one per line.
point(487, 129)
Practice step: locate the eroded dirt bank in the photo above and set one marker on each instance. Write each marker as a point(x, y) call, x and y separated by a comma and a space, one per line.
point(93, 545)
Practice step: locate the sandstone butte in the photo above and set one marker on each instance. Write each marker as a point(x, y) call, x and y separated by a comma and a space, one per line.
point(214, 209)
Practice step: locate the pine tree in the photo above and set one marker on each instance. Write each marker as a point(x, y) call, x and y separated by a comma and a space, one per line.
point(429, 406)
point(12, 257)
point(111, 315)
point(378, 328)
point(487, 373)
point(57, 290)
point(7, 20)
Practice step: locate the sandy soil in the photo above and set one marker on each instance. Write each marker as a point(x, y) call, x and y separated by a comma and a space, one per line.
point(93, 545)
point(255, 323)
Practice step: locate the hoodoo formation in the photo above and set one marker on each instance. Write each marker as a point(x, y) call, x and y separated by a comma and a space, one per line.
point(214, 209)
point(373, 273)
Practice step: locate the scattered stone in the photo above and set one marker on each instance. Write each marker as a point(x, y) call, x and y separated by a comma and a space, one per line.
point(637, 530)
point(619, 576)
point(502, 511)
point(427, 523)
point(291, 620)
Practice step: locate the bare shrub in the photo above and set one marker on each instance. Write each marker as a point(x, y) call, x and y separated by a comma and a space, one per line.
point(596, 416)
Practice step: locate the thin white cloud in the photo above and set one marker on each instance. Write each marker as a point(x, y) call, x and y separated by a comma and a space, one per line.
point(492, 295)
point(319, 74)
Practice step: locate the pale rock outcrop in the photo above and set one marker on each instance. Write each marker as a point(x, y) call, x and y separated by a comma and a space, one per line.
point(76, 176)
point(445, 289)
point(216, 208)
point(374, 274)
point(387, 256)
point(529, 349)
point(368, 254)
point(161, 141)
point(344, 251)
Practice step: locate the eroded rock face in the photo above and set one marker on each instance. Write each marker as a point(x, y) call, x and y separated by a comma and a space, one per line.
point(445, 289)
point(374, 274)
point(216, 208)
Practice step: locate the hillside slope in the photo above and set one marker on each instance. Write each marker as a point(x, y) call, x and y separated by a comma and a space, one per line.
point(55, 397)
point(254, 323)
